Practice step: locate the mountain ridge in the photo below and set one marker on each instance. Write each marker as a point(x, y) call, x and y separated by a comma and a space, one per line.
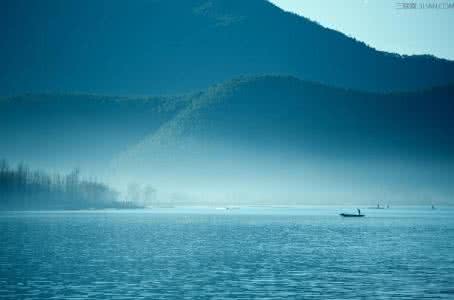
point(238, 135)
point(387, 105)
point(132, 120)
point(167, 48)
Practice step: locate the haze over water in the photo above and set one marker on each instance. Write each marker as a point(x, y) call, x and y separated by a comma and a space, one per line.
point(247, 253)
point(159, 149)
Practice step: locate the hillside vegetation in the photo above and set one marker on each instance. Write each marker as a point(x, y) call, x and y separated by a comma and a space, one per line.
point(166, 46)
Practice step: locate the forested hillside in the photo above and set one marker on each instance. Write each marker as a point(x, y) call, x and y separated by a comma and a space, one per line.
point(167, 46)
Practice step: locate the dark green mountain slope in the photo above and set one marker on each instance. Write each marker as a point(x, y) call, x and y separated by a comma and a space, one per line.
point(284, 114)
point(125, 47)
point(274, 139)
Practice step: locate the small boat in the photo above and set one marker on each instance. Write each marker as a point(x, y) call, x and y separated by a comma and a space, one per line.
point(351, 215)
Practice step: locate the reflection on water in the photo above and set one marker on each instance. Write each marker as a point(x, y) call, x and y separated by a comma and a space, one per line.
point(243, 253)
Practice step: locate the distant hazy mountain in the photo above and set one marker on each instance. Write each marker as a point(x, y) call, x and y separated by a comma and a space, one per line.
point(252, 134)
point(286, 115)
point(160, 46)
point(267, 112)
point(66, 131)
point(268, 138)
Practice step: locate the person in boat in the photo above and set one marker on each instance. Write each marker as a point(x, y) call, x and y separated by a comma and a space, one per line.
point(359, 211)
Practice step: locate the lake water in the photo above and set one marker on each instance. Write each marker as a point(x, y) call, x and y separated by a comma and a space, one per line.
point(207, 253)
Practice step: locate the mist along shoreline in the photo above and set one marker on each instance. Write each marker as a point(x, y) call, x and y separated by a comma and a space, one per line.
point(22, 189)
point(296, 209)
point(118, 206)
point(121, 205)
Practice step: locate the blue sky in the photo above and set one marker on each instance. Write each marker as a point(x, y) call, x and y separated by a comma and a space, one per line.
point(381, 25)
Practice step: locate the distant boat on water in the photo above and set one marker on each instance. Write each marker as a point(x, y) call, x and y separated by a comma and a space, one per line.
point(378, 206)
point(358, 215)
point(351, 215)
point(228, 207)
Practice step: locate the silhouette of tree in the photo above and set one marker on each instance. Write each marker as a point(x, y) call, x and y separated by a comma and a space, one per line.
point(21, 188)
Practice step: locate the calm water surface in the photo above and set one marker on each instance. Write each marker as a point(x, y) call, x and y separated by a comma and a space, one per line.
point(207, 253)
